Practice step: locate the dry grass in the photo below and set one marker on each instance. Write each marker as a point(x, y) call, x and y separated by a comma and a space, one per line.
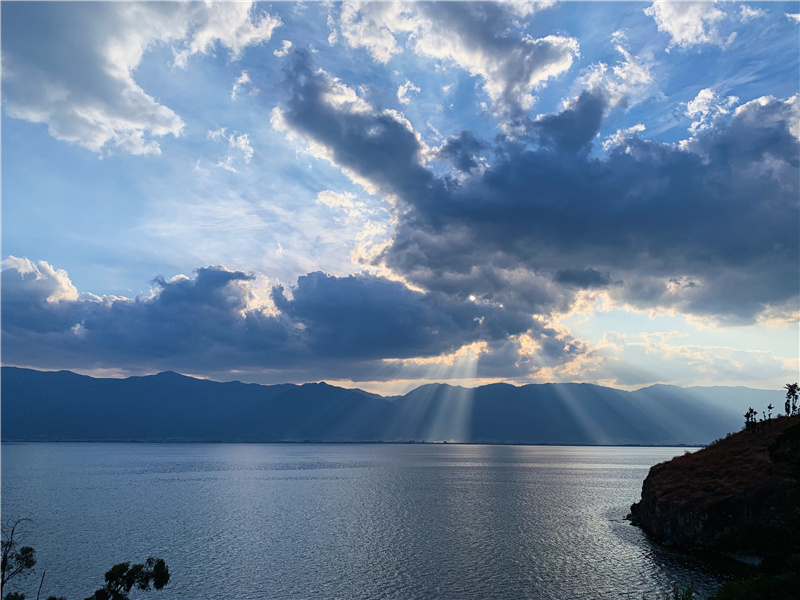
point(736, 466)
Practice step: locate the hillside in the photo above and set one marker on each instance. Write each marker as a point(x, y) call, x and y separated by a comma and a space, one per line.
point(738, 496)
point(62, 406)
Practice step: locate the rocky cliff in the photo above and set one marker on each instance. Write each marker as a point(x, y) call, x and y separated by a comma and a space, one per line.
point(739, 496)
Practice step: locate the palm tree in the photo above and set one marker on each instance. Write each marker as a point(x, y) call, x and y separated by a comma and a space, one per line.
point(791, 398)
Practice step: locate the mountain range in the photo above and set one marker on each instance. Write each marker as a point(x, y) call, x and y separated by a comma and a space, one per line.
point(64, 406)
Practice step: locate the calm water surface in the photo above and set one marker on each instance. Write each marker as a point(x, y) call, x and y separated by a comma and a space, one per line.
point(240, 521)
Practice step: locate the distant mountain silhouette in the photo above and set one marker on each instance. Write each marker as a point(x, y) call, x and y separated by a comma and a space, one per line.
point(62, 406)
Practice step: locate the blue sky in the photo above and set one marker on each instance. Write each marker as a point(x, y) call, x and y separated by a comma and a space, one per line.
point(386, 194)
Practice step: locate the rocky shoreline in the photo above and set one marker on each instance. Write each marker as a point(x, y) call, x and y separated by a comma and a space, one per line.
point(739, 497)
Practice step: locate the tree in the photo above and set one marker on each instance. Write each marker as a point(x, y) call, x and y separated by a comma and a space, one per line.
point(16, 560)
point(791, 398)
point(750, 419)
point(122, 578)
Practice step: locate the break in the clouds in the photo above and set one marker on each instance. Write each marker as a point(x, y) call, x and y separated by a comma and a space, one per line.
point(403, 191)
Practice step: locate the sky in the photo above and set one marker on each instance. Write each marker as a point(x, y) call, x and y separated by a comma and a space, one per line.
point(381, 195)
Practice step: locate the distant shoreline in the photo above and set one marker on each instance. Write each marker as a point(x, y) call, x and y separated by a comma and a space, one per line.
point(359, 443)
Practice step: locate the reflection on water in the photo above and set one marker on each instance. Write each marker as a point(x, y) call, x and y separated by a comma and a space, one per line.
point(247, 521)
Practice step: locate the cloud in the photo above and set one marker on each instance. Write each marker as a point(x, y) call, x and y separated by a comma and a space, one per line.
point(463, 151)
point(365, 317)
point(748, 13)
point(215, 320)
point(634, 361)
point(575, 127)
point(622, 137)
point(403, 90)
point(345, 202)
point(583, 278)
point(627, 83)
point(475, 36)
point(377, 148)
point(793, 17)
point(286, 46)
point(40, 281)
point(233, 25)
point(372, 25)
point(359, 327)
point(705, 227)
point(238, 146)
point(707, 107)
point(688, 23)
point(89, 96)
point(243, 82)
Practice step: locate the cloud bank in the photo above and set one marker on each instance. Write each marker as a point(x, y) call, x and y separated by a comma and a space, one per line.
point(214, 321)
point(706, 226)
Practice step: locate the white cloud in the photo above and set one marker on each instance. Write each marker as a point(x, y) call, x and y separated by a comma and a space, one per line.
point(344, 202)
point(622, 136)
point(628, 83)
point(511, 67)
point(793, 17)
point(403, 90)
point(238, 146)
point(342, 97)
point(284, 49)
point(748, 13)
point(372, 25)
point(333, 36)
point(706, 107)
point(89, 96)
point(52, 285)
point(688, 23)
point(233, 25)
point(242, 82)
point(633, 361)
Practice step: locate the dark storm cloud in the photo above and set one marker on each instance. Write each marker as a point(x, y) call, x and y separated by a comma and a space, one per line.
point(367, 317)
point(207, 322)
point(462, 151)
point(375, 145)
point(573, 129)
point(186, 321)
point(584, 279)
point(720, 211)
point(724, 213)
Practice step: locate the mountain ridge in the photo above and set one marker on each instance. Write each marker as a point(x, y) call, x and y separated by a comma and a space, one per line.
point(168, 406)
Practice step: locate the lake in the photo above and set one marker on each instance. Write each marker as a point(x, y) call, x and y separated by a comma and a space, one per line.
point(258, 521)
